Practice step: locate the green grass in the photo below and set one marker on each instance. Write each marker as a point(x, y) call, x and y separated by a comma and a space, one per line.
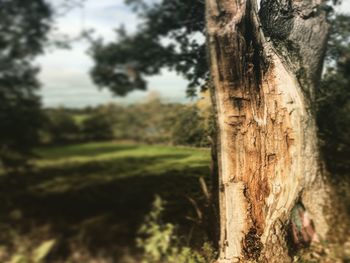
point(96, 195)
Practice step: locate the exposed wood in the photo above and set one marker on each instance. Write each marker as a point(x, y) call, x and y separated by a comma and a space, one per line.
point(267, 151)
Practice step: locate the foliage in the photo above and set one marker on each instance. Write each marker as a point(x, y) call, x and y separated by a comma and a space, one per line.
point(23, 29)
point(62, 127)
point(338, 44)
point(170, 35)
point(333, 113)
point(189, 128)
point(157, 237)
point(150, 122)
point(98, 126)
point(143, 122)
point(170, 123)
point(160, 243)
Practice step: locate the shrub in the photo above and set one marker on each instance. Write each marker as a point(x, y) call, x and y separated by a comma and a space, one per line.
point(97, 127)
point(189, 128)
point(160, 244)
point(62, 127)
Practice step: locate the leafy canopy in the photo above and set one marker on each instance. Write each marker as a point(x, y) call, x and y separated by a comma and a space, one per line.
point(170, 35)
point(23, 31)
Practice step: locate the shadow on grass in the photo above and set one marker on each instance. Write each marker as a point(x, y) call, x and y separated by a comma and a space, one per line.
point(101, 204)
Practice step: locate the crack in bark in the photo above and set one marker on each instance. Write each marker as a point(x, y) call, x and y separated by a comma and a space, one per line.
point(252, 245)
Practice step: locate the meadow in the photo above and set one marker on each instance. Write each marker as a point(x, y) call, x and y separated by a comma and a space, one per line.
point(91, 198)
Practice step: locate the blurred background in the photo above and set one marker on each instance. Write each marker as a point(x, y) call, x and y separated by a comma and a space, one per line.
point(106, 126)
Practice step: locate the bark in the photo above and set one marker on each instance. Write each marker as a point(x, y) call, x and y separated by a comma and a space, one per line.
point(214, 200)
point(265, 76)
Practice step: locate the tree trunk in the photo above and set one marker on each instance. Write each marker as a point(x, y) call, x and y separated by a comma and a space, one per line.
point(265, 69)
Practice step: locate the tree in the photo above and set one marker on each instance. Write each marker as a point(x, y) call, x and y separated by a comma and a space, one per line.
point(333, 113)
point(265, 69)
point(23, 29)
point(61, 126)
point(98, 126)
point(123, 65)
point(189, 127)
point(268, 150)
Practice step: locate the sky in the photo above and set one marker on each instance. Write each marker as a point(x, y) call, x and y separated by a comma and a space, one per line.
point(65, 73)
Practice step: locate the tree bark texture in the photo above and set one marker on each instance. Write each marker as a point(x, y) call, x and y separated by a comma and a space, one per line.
point(265, 67)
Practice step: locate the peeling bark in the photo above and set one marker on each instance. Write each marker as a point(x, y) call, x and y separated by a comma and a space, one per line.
point(265, 76)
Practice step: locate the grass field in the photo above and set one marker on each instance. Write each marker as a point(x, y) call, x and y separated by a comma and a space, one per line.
point(93, 197)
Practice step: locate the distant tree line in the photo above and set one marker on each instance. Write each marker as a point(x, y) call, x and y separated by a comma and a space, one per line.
point(151, 122)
